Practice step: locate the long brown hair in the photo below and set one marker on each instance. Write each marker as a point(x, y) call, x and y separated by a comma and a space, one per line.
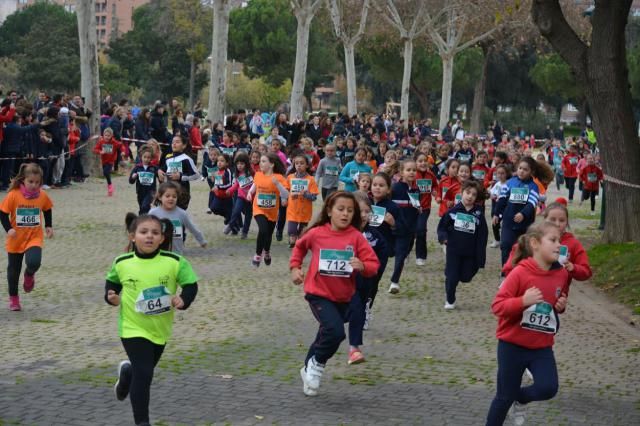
point(535, 232)
point(26, 169)
point(324, 218)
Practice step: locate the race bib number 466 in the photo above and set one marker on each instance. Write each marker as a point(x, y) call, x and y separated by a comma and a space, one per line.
point(335, 263)
point(27, 217)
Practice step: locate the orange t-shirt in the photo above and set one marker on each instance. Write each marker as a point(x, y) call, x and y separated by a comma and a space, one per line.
point(26, 218)
point(266, 199)
point(300, 209)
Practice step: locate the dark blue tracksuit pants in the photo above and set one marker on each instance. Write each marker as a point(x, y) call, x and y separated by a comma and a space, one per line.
point(404, 244)
point(145, 198)
point(241, 207)
point(421, 234)
point(512, 361)
point(282, 219)
point(331, 316)
point(222, 207)
point(373, 286)
point(458, 268)
point(508, 239)
point(357, 309)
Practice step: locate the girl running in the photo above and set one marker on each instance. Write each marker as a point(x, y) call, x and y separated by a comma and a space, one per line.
point(338, 252)
point(527, 306)
point(108, 148)
point(179, 167)
point(570, 169)
point(167, 208)
point(269, 189)
point(427, 185)
point(349, 174)
point(450, 181)
point(591, 176)
point(21, 213)
point(329, 171)
point(303, 193)
point(242, 183)
point(222, 202)
point(144, 175)
point(364, 183)
point(502, 174)
point(209, 169)
point(464, 231)
point(144, 283)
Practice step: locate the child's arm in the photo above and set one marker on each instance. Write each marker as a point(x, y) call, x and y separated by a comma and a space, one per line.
point(481, 241)
point(368, 257)
point(297, 257)
point(320, 171)
point(186, 220)
point(193, 176)
point(112, 287)
point(443, 228)
point(344, 174)
point(506, 302)
point(48, 222)
point(6, 224)
point(134, 175)
point(580, 269)
point(284, 194)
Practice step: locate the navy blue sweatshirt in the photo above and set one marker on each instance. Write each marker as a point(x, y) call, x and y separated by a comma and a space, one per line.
point(518, 196)
point(146, 179)
point(465, 232)
point(400, 194)
point(386, 231)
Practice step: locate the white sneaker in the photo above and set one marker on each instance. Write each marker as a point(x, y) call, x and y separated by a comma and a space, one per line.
point(449, 306)
point(394, 288)
point(444, 249)
point(368, 315)
point(518, 413)
point(593, 213)
point(45, 187)
point(421, 262)
point(528, 374)
point(495, 244)
point(311, 376)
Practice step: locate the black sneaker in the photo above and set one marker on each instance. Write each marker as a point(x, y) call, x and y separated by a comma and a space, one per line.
point(121, 389)
point(278, 236)
point(267, 258)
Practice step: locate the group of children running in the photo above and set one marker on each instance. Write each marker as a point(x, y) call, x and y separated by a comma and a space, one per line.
point(380, 212)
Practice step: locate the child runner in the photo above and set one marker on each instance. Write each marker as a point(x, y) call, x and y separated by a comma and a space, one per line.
point(427, 185)
point(179, 167)
point(254, 158)
point(464, 231)
point(209, 169)
point(569, 168)
point(450, 181)
point(338, 252)
point(222, 201)
point(144, 176)
point(406, 195)
point(21, 213)
point(269, 189)
point(502, 174)
point(303, 193)
point(328, 171)
point(242, 183)
point(167, 208)
point(454, 194)
point(358, 319)
point(517, 205)
point(144, 283)
point(314, 160)
point(108, 147)
point(591, 176)
point(349, 174)
point(480, 171)
point(527, 306)
point(364, 183)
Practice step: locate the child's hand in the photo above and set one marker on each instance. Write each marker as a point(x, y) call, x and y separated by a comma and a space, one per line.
point(444, 242)
point(134, 176)
point(297, 276)
point(388, 217)
point(495, 220)
point(113, 298)
point(532, 296)
point(249, 197)
point(561, 303)
point(48, 232)
point(569, 266)
point(11, 233)
point(449, 204)
point(177, 302)
point(274, 180)
point(519, 217)
point(175, 176)
point(356, 264)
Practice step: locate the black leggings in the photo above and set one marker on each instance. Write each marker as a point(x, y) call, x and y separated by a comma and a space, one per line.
point(586, 195)
point(144, 356)
point(106, 171)
point(570, 183)
point(265, 233)
point(32, 257)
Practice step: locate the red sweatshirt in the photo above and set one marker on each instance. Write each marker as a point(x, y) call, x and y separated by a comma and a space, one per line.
point(446, 184)
point(482, 174)
point(570, 165)
point(507, 305)
point(109, 150)
point(73, 139)
point(6, 116)
point(426, 190)
point(576, 254)
point(333, 287)
point(591, 176)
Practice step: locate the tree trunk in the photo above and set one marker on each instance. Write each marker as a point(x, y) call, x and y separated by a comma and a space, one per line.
point(89, 78)
point(447, 84)
point(304, 17)
point(192, 84)
point(478, 98)
point(406, 79)
point(601, 69)
point(352, 88)
point(423, 100)
point(218, 77)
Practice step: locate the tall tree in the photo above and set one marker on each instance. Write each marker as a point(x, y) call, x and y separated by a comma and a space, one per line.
point(304, 11)
point(600, 67)
point(219, 46)
point(410, 23)
point(89, 72)
point(339, 10)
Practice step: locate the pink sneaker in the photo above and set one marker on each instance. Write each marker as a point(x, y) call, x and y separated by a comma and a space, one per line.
point(29, 282)
point(110, 189)
point(14, 303)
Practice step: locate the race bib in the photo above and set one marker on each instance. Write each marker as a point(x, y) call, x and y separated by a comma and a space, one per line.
point(444, 191)
point(495, 177)
point(243, 180)
point(331, 171)
point(353, 173)
point(464, 157)
point(564, 255)
point(177, 228)
point(377, 216)
point(27, 217)
point(218, 180)
point(540, 317)
point(335, 263)
point(519, 195)
point(298, 186)
point(414, 199)
point(145, 178)
point(211, 171)
point(465, 223)
point(573, 161)
point(107, 149)
point(478, 174)
point(154, 301)
point(228, 151)
point(592, 177)
point(174, 166)
point(424, 185)
point(266, 201)
point(457, 199)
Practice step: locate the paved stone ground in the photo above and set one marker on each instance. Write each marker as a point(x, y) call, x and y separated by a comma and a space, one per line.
point(235, 355)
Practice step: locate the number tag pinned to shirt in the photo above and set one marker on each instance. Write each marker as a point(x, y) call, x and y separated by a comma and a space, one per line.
point(154, 301)
point(424, 185)
point(298, 186)
point(478, 174)
point(331, 171)
point(414, 199)
point(592, 177)
point(564, 255)
point(26, 217)
point(266, 201)
point(465, 223)
point(177, 228)
point(107, 148)
point(519, 195)
point(174, 166)
point(540, 317)
point(145, 178)
point(377, 216)
point(335, 263)
point(457, 198)
point(573, 161)
point(217, 180)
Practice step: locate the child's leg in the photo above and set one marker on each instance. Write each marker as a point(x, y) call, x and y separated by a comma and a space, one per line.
point(511, 365)
point(144, 355)
point(32, 260)
point(269, 236)
point(452, 275)
point(508, 239)
point(263, 230)
point(331, 317)
point(421, 235)
point(236, 211)
point(13, 272)
point(468, 269)
point(373, 288)
point(144, 200)
point(248, 213)
point(545, 377)
point(292, 229)
point(356, 311)
point(106, 171)
point(403, 248)
point(592, 195)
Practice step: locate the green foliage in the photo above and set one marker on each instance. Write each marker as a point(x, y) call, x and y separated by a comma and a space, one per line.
point(633, 62)
point(114, 80)
point(553, 75)
point(532, 121)
point(9, 74)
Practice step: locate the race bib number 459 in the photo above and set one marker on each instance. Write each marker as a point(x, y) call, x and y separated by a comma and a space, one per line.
point(26, 217)
point(335, 263)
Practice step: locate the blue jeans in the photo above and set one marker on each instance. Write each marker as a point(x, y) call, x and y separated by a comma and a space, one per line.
point(331, 316)
point(421, 234)
point(241, 207)
point(512, 361)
